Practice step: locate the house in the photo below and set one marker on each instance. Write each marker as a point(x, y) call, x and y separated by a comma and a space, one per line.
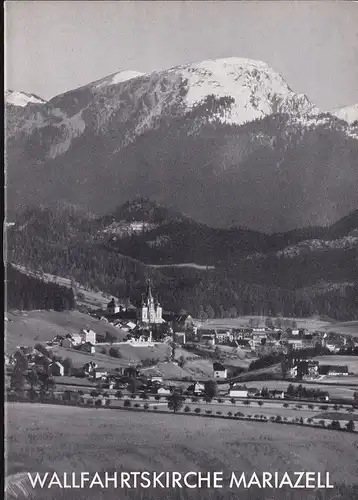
point(223, 336)
point(157, 380)
point(99, 373)
point(338, 370)
point(208, 339)
point(163, 391)
point(199, 388)
point(276, 394)
point(253, 392)
point(87, 347)
point(88, 335)
point(89, 367)
point(67, 343)
point(113, 307)
point(56, 369)
point(219, 370)
point(76, 338)
point(238, 391)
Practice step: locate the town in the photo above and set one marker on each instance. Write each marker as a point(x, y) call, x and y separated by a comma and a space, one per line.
point(279, 358)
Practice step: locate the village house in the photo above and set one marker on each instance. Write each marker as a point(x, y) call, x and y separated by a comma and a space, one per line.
point(67, 343)
point(207, 339)
point(219, 371)
point(276, 394)
point(222, 336)
point(99, 374)
point(199, 389)
point(113, 307)
point(163, 391)
point(88, 335)
point(87, 347)
point(238, 391)
point(56, 369)
point(89, 367)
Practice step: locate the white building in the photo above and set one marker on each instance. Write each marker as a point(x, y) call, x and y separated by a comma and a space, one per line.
point(113, 307)
point(88, 335)
point(238, 391)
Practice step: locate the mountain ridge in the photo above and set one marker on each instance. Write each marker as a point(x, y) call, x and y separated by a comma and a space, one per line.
point(249, 153)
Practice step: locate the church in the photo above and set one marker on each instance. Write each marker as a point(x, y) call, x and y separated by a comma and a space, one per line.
point(150, 312)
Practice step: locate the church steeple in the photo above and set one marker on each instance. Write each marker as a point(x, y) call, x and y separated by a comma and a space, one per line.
point(149, 292)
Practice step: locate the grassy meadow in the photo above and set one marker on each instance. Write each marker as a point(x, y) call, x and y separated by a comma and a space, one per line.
point(41, 438)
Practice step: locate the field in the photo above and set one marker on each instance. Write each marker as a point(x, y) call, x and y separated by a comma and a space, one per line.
point(62, 439)
point(309, 323)
point(347, 328)
point(30, 327)
point(350, 361)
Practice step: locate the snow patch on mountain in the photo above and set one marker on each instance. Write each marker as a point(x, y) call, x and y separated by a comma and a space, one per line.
point(120, 77)
point(349, 113)
point(257, 89)
point(22, 99)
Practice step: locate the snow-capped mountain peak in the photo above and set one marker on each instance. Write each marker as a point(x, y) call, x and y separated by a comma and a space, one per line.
point(256, 88)
point(349, 113)
point(22, 99)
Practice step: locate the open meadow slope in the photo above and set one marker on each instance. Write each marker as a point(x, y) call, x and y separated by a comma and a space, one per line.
point(30, 327)
point(47, 438)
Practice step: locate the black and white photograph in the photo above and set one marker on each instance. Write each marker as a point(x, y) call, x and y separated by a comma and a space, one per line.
point(181, 250)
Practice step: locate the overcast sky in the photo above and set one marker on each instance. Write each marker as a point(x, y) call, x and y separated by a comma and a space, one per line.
point(52, 47)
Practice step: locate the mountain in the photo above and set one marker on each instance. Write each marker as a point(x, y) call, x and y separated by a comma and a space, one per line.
point(22, 99)
point(225, 141)
point(348, 113)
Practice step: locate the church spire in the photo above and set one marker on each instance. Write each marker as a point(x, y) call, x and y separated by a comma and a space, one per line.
point(149, 291)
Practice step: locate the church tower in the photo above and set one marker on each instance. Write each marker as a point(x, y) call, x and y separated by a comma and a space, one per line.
point(150, 311)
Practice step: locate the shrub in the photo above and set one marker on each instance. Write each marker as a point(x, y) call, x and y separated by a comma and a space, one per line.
point(310, 407)
point(301, 421)
point(155, 407)
point(278, 418)
point(187, 409)
point(98, 402)
point(335, 425)
point(298, 407)
point(220, 400)
point(144, 396)
point(233, 400)
point(137, 405)
point(218, 412)
point(260, 403)
point(208, 412)
point(197, 410)
point(157, 397)
point(272, 418)
point(285, 405)
point(229, 414)
point(238, 414)
point(195, 399)
point(108, 402)
point(127, 403)
point(146, 406)
point(350, 426)
point(324, 407)
point(89, 402)
point(309, 420)
point(133, 396)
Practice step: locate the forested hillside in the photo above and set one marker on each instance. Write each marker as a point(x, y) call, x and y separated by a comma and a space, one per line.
point(28, 293)
point(66, 243)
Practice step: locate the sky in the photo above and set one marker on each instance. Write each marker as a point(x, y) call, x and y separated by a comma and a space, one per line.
point(52, 47)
